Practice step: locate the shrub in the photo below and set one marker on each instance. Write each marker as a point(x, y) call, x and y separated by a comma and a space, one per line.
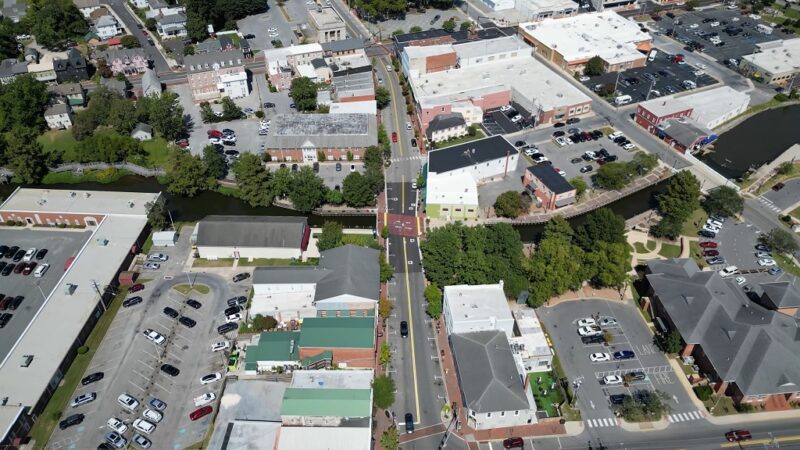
point(82, 350)
point(260, 114)
point(703, 392)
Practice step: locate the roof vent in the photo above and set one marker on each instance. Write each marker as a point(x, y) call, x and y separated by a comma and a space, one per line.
point(26, 360)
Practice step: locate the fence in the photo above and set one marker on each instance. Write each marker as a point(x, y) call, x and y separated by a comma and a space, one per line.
point(135, 168)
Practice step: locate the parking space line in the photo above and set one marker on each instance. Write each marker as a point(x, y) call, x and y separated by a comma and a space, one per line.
point(141, 375)
point(136, 386)
point(161, 387)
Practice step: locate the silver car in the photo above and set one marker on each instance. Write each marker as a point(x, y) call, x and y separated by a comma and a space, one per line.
point(152, 266)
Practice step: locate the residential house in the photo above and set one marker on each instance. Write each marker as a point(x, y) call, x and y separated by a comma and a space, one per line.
point(70, 68)
point(320, 137)
point(171, 25)
point(252, 237)
point(226, 43)
point(86, 6)
point(216, 74)
point(58, 116)
point(120, 87)
point(473, 308)
point(43, 70)
point(31, 55)
point(11, 68)
point(158, 8)
point(127, 61)
point(142, 132)
point(744, 349)
point(107, 27)
point(151, 85)
point(16, 11)
point(139, 4)
point(446, 126)
point(72, 94)
point(551, 189)
point(345, 283)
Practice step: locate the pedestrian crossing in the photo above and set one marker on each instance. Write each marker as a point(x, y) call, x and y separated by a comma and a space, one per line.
point(600, 423)
point(685, 417)
point(769, 204)
point(409, 158)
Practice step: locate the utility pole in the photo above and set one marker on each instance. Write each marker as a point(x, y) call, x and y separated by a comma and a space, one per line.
point(97, 289)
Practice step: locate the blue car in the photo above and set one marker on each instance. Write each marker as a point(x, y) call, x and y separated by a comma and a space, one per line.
point(623, 355)
point(775, 271)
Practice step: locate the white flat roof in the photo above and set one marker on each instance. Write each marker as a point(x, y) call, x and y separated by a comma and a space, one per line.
point(307, 70)
point(482, 47)
point(543, 6)
point(324, 438)
point(779, 59)
point(716, 103)
point(284, 52)
point(455, 189)
point(605, 34)
point(365, 107)
point(88, 202)
point(531, 333)
point(332, 379)
point(480, 301)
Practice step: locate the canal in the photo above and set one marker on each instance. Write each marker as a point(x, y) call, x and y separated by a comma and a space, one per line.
point(755, 142)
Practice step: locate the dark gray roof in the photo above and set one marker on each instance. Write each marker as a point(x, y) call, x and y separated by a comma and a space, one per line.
point(66, 89)
point(748, 344)
point(10, 67)
point(55, 109)
point(205, 61)
point(343, 270)
point(343, 45)
point(419, 35)
point(142, 127)
point(74, 59)
point(685, 132)
point(783, 294)
point(251, 231)
point(444, 122)
point(487, 373)
point(150, 82)
point(115, 85)
point(471, 153)
point(172, 19)
point(209, 45)
point(225, 41)
point(550, 178)
point(318, 63)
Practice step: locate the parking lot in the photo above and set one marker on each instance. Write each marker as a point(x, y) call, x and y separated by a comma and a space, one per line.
point(692, 28)
point(629, 333)
point(60, 246)
point(785, 198)
point(132, 364)
point(496, 121)
point(660, 77)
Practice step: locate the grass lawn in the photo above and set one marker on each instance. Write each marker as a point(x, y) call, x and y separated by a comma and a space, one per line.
point(157, 152)
point(100, 176)
point(651, 244)
point(696, 253)
point(640, 248)
point(148, 243)
point(795, 213)
point(224, 262)
point(694, 222)
point(59, 140)
point(52, 413)
point(185, 288)
point(670, 250)
point(364, 240)
point(545, 402)
point(720, 406)
point(786, 264)
point(265, 262)
point(478, 135)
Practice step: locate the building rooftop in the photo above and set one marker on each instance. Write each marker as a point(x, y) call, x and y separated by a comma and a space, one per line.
point(106, 21)
point(279, 54)
point(338, 332)
point(685, 132)
point(78, 201)
point(327, 402)
point(605, 34)
point(273, 346)
point(143, 127)
point(365, 107)
point(329, 438)
point(428, 50)
point(550, 178)
point(487, 372)
point(322, 131)
point(66, 89)
point(172, 19)
point(484, 301)
point(252, 231)
point(783, 294)
point(325, 17)
point(343, 45)
point(777, 59)
point(213, 60)
point(458, 189)
point(711, 103)
point(531, 333)
point(122, 53)
point(475, 49)
point(445, 122)
point(469, 154)
point(332, 379)
point(56, 109)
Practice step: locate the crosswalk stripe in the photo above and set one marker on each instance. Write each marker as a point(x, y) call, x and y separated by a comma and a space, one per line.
point(697, 415)
point(591, 423)
point(610, 422)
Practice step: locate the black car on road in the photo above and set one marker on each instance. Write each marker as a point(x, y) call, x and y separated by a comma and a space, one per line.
point(131, 301)
point(187, 322)
point(170, 370)
point(404, 329)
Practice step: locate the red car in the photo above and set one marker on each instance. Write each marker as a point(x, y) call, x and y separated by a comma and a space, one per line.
point(394, 136)
point(136, 287)
point(182, 143)
point(677, 58)
point(215, 133)
point(710, 252)
point(738, 436)
point(201, 412)
point(513, 442)
point(778, 187)
point(708, 244)
point(29, 268)
point(20, 267)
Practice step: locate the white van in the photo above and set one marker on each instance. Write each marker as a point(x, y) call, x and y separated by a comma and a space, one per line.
point(41, 270)
point(761, 28)
point(623, 100)
point(652, 55)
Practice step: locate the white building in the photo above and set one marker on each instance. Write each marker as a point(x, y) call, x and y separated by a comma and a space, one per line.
point(329, 438)
point(327, 23)
point(485, 159)
point(107, 27)
point(451, 197)
point(477, 308)
point(535, 10)
point(252, 237)
point(531, 351)
point(365, 107)
point(499, 5)
point(713, 107)
point(778, 62)
point(86, 7)
point(139, 4)
point(445, 127)
point(58, 116)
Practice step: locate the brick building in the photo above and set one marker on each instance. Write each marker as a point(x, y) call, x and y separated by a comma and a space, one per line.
point(552, 190)
point(214, 75)
point(320, 137)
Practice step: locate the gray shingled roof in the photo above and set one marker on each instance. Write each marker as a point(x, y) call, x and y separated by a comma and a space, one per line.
point(487, 373)
point(754, 347)
point(550, 178)
point(470, 153)
point(150, 82)
point(322, 131)
point(251, 231)
point(142, 127)
point(343, 45)
point(58, 108)
point(205, 61)
point(783, 294)
point(444, 122)
point(176, 18)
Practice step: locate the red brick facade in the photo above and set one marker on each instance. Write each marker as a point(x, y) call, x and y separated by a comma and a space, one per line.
point(439, 63)
point(45, 218)
point(298, 155)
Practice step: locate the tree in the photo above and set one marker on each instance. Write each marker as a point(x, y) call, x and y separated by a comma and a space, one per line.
point(681, 197)
point(129, 41)
point(307, 190)
point(449, 25)
point(8, 41)
point(465, 25)
point(150, 24)
point(385, 355)
point(263, 323)
point(304, 94)
point(122, 116)
point(230, 111)
point(253, 180)
point(508, 204)
point(356, 190)
point(779, 240)
point(724, 201)
point(55, 21)
point(670, 342)
point(382, 97)
point(667, 227)
point(331, 236)
point(281, 181)
point(785, 168)
point(24, 155)
point(555, 267)
point(216, 167)
point(608, 264)
point(558, 228)
point(386, 270)
point(433, 295)
point(22, 103)
point(601, 225)
point(580, 186)
point(165, 114)
point(390, 440)
point(107, 145)
point(415, 29)
point(643, 162)
point(207, 113)
point(157, 213)
point(594, 67)
point(613, 175)
point(691, 5)
point(334, 197)
point(383, 389)
point(385, 307)
point(188, 176)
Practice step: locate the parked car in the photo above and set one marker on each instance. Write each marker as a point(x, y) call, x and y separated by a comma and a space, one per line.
point(157, 404)
point(409, 419)
point(116, 440)
point(589, 331)
point(117, 425)
point(70, 421)
point(131, 301)
point(708, 244)
point(710, 252)
point(513, 442)
point(617, 399)
point(738, 436)
point(194, 303)
point(91, 378)
point(152, 416)
point(637, 376)
point(586, 322)
point(612, 379)
point(200, 413)
point(623, 355)
point(143, 426)
point(170, 370)
point(728, 271)
point(171, 312)
point(240, 277)
point(154, 336)
point(128, 402)
point(141, 441)
point(211, 378)
point(136, 287)
point(766, 262)
point(187, 322)
point(83, 399)
point(595, 339)
point(599, 357)
point(205, 399)
point(607, 322)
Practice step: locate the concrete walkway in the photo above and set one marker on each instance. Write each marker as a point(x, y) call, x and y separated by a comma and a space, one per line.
point(641, 237)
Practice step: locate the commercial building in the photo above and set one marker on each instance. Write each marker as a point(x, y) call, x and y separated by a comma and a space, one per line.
point(571, 42)
point(745, 349)
point(536, 10)
point(709, 108)
point(436, 36)
point(490, 73)
point(446, 126)
point(215, 75)
point(366, 107)
point(343, 47)
point(484, 160)
point(327, 24)
point(451, 197)
point(530, 348)
point(345, 283)
point(777, 62)
point(330, 438)
point(282, 63)
point(39, 357)
point(252, 237)
point(477, 308)
point(492, 389)
point(352, 83)
point(320, 137)
point(551, 189)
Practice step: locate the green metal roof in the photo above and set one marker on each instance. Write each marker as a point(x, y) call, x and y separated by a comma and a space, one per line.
point(273, 346)
point(338, 332)
point(326, 402)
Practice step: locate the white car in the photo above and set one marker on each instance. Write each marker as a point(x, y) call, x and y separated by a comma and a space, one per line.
point(628, 146)
point(158, 257)
point(214, 140)
point(154, 336)
point(152, 416)
point(233, 318)
point(143, 426)
point(152, 266)
point(584, 79)
point(29, 254)
point(766, 262)
point(591, 155)
point(222, 345)
point(272, 29)
point(117, 425)
point(693, 26)
point(728, 271)
point(711, 228)
point(517, 118)
point(39, 272)
point(273, 35)
point(561, 142)
point(615, 135)
point(600, 357)
point(612, 379)
point(211, 378)
point(713, 24)
point(83, 399)
point(714, 223)
point(389, 68)
point(589, 331)
point(205, 399)
point(540, 159)
point(607, 322)
point(408, 125)
point(128, 402)
point(505, 108)
point(740, 280)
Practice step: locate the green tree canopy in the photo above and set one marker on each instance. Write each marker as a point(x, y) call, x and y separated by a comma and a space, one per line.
point(555, 267)
point(129, 41)
point(600, 225)
point(594, 67)
point(608, 264)
point(558, 228)
point(779, 240)
point(433, 295)
point(382, 97)
point(230, 111)
point(8, 41)
point(157, 213)
point(383, 391)
point(449, 25)
point(53, 22)
point(107, 145)
point(122, 116)
point(164, 113)
point(307, 190)
point(304, 94)
point(356, 190)
point(681, 197)
point(24, 155)
point(667, 227)
point(724, 201)
point(22, 103)
point(613, 175)
point(188, 176)
point(508, 204)
point(331, 236)
point(580, 186)
point(216, 167)
point(253, 180)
